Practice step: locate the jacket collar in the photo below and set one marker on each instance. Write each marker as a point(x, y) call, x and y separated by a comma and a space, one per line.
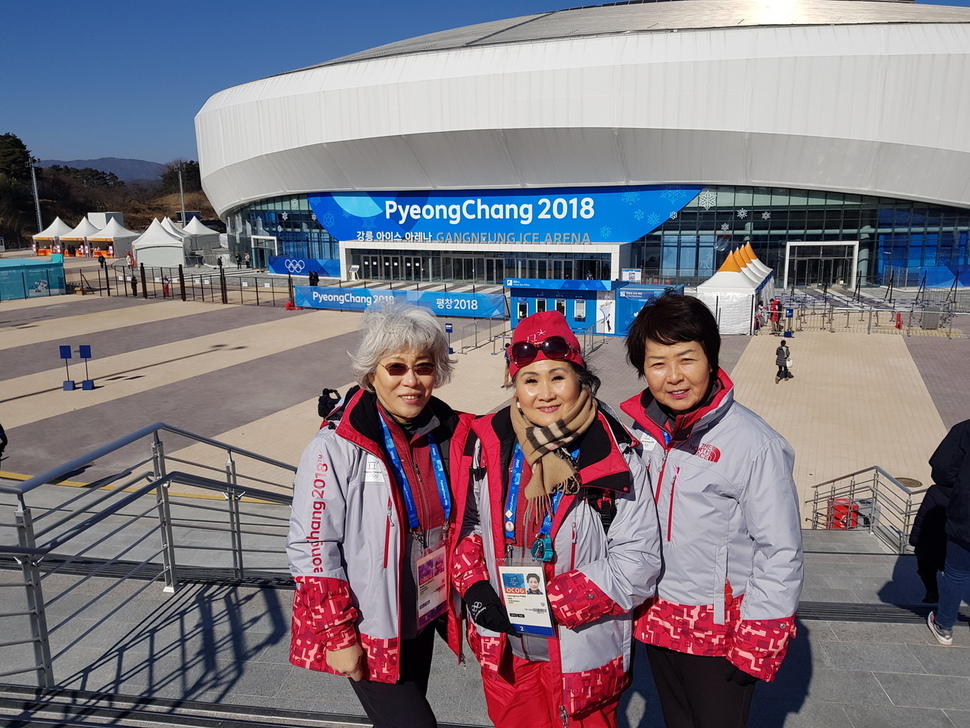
point(361, 423)
point(681, 428)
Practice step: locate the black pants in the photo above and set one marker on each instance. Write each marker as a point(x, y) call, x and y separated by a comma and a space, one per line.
point(402, 704)
point(697, 692)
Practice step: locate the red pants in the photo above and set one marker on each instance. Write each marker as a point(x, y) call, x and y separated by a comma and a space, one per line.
point(535, 700)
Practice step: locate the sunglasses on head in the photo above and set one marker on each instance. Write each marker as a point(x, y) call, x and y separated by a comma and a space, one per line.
point(397, 369)
point(525, 352)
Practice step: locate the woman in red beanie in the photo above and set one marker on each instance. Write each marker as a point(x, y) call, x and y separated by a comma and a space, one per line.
point(556, 491)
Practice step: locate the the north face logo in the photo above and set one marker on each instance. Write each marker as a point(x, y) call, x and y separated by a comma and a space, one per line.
point(708, 452)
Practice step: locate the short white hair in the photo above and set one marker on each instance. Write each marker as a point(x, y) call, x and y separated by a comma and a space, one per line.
point(397, 328)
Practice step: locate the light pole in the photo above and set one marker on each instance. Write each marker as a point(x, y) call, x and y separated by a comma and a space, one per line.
point(181, 191)
point(33, 177)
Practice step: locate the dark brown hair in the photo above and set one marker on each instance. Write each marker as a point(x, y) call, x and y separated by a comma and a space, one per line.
point(671, 319)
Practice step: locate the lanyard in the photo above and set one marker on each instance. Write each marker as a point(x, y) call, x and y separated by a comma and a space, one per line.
point(511, 501)
point(439, 476)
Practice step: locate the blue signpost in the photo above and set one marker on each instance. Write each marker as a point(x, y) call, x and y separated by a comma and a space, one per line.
point(83, 352)
point(448, 328)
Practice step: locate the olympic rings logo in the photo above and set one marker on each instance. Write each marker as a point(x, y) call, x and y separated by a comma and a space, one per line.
point(294, 266)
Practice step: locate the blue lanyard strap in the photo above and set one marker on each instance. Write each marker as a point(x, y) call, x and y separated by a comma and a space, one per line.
point(440, 478)
point(511, 502)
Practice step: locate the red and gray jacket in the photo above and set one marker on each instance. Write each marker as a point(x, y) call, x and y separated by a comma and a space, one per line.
point(346, 539)
point(729, 524)
point(597, 576)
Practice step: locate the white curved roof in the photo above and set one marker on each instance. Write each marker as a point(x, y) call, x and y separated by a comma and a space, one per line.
point(857, 97)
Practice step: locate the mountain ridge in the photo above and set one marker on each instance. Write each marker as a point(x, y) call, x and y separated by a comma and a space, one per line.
point(127, 170)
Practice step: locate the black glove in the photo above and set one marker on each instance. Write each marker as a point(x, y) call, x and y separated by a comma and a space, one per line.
point(739, 676)
point(486, 608)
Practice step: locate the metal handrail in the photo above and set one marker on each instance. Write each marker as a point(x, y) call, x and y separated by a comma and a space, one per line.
point(62, 471)
point(892, 509)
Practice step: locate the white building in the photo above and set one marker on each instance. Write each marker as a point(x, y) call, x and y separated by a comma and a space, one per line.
point(654, 135)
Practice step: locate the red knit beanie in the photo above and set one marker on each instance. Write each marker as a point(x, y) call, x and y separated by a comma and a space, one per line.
point(540, 326)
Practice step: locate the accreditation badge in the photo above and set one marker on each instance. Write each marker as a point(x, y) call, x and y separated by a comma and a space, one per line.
point(432, 585)
point(524, 594)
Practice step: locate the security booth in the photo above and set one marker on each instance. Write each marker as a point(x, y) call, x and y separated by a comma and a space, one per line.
point(602, 307)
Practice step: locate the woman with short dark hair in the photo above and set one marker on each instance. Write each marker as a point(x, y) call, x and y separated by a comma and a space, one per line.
point(372, 511)
point(730, 529)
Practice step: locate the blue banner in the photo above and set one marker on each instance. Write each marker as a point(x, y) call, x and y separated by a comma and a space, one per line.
point(554, 284)
point(549, 216)
point(303, 266)
point(468, 305)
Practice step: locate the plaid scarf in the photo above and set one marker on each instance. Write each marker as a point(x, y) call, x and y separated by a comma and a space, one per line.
point(547, 450)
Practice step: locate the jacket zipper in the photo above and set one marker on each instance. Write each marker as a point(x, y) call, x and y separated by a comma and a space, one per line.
point(572, 550)
point(670, 507)
point(387, 531)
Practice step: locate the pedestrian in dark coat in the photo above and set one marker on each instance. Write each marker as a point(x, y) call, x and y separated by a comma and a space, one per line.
point(950, 466)
point(782, 355)
point(928, 539)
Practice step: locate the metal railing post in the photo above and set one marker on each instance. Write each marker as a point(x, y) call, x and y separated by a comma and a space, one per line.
point(35, 599)
point(235, 525)
point(164, 516)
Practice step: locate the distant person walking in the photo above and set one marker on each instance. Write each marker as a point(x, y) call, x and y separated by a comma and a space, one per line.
point(248, 262)
point(3, 440)
point(950, 466)
point(782, 358)
point(238, 260)
point(165, 286)
point(314, 278)
point(134, 285)
point(219, 261)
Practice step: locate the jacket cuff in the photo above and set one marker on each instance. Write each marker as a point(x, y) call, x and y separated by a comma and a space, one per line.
point(575, 600)
point(331, 609)
point(468, 563)
point(759, 646)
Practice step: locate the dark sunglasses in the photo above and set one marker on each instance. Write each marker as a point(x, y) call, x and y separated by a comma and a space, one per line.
point(524, 352)
point(397, 369)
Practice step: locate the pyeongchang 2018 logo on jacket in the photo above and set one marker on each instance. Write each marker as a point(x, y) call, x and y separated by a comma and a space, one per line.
point(706, 451)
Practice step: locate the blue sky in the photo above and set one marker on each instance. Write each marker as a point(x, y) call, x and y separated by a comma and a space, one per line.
point(125, 78)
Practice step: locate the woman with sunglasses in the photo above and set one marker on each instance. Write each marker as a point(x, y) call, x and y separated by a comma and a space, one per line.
point(372, 510)
point(558, 491)
point(729, 522)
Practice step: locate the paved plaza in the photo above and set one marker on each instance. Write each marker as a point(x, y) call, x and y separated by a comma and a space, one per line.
point(250, 376)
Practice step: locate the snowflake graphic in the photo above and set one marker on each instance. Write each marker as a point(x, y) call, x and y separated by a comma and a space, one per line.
point(742, 213)
point(673, 215)
point(673, 196)
point(725, 227)
point(279, 228)
point(765, 215)
point(328, 220)
point(638, 214)
point(367, 223)
point(285, 216)
point(606, 231)
point(313, 216)
point(630, 197)
point(707, 199)
point(653, 219)
point(345, 213)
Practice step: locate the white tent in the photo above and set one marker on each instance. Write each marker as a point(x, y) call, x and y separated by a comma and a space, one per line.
point(767, 274)
point(173, 228)
point(50, 236)
point(113, 240)
point(158, 248)
point(732, 296)
point(202, 237)
point(78, 237)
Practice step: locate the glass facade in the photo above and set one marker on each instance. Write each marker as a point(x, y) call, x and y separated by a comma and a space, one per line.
point(907, 242)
